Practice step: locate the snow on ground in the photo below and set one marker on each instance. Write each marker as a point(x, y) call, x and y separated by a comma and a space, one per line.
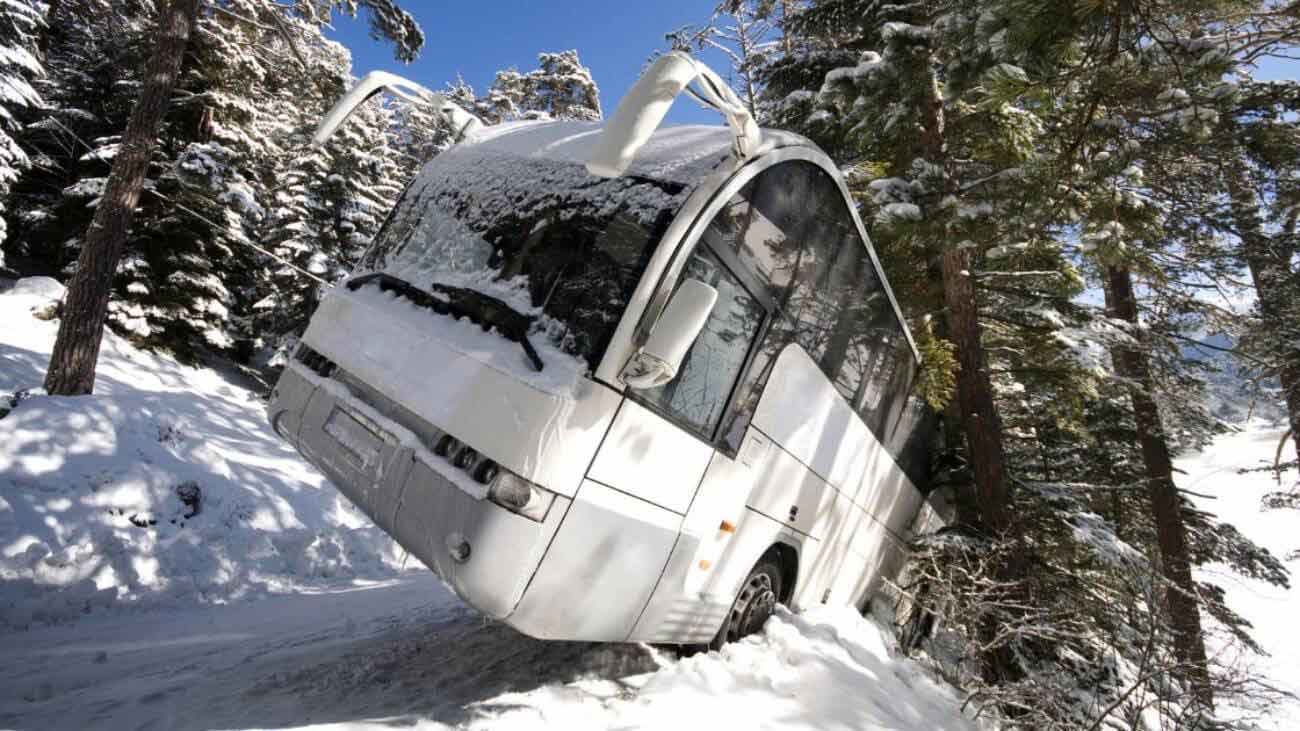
point(825, 669)
point(404, 653)
point(278, 606)
point(166, 486)
point(1235, 498)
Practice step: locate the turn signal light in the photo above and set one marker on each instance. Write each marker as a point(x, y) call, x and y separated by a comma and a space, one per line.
point(520, 496)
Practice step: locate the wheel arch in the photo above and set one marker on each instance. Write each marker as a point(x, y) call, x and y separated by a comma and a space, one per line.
point(787, 557)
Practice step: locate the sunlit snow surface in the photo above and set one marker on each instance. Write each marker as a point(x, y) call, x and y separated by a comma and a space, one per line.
point(1273, 611)
point(89, 515)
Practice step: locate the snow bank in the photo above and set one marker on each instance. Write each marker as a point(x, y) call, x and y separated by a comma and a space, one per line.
point(165, 487)
point(826, 669)
point(37, 287)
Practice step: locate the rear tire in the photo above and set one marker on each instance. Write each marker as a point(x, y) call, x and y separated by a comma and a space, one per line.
point(754, 604)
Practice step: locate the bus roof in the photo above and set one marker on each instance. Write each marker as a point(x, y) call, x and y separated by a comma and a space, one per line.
point(678, 154)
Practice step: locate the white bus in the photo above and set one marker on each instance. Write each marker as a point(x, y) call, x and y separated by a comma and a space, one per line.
point(643, 405)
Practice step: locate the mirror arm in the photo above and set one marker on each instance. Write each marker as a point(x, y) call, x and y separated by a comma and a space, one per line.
point(644, 106)
point(646, 371)
point(375, 82)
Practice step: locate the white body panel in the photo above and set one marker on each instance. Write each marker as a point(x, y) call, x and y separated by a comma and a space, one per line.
point(708, 564)
point(638, 439)
point(598, 575)
point(829, 462)
point(802, 430)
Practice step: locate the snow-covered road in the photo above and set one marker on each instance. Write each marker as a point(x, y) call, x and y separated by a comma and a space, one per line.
point(402, 649)
point(405, 653)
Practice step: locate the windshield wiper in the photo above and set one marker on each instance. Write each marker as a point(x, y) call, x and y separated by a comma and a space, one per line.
point(488, 312)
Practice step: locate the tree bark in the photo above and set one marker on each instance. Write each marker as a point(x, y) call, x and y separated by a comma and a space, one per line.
point(1269, 263)
point(72, 364)
point(979, 414)
point(1181, 601)
point(977, 410)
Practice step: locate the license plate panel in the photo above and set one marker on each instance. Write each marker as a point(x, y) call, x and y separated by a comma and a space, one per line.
point(357, 440)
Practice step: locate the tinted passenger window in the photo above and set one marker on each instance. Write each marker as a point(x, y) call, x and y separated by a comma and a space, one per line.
point(792, 229)
point(744, 227)
point(699, 393)
point(780, 333)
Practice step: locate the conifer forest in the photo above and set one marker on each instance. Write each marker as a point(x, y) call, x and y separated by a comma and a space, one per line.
point(1088, 211)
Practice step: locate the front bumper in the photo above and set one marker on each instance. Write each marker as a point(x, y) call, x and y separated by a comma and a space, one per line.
point(421, 500)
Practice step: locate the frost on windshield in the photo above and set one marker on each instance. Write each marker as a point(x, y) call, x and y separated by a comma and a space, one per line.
point(543, 236)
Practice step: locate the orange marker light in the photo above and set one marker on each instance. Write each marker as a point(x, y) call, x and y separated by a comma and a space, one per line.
point(704, 564)
point(727, 527)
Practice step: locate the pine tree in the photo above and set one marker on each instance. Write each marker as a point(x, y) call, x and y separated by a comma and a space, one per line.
point(1259, 163)
point(93, 52)
point(20, 23)
point(560, 88)
point(1035, 154)
point(189, 274)
point(743, 31)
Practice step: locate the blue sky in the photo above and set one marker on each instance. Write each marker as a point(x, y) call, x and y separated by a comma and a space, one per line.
point(614, 38)
point(475, 39)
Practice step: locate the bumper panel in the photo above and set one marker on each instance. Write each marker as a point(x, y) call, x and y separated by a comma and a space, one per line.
point(423, 510)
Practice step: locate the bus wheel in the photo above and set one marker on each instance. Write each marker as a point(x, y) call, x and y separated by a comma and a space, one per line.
point(754, 604)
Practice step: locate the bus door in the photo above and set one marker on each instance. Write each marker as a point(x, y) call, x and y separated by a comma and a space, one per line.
point(701, 467)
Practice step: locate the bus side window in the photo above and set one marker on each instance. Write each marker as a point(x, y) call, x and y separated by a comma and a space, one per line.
point(791, 228)
point(780, 333)
point(844, 318)
point(698, 395)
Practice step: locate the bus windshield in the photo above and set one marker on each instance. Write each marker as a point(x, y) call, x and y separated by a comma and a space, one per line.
point(542, 236)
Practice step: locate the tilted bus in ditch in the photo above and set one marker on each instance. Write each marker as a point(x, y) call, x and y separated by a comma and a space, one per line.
point(621, 383)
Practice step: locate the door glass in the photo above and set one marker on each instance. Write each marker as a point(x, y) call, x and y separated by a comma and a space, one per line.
point(698, 395)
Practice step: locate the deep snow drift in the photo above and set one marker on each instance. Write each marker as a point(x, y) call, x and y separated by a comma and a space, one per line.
point(121, 606)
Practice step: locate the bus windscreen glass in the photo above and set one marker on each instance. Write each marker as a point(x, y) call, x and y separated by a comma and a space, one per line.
point(543, 236)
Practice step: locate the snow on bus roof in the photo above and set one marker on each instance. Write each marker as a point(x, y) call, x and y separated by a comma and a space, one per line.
point(678, 154)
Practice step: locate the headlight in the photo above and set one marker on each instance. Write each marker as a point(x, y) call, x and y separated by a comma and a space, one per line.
point(518, 495)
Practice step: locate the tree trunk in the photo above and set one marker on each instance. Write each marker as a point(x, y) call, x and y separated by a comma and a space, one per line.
point(1181, 601)
point(72, 364)
point(977, 411)
point(979, 414)
point(1269, 263)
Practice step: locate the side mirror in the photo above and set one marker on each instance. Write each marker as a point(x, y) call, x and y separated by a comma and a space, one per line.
point(679, 325)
